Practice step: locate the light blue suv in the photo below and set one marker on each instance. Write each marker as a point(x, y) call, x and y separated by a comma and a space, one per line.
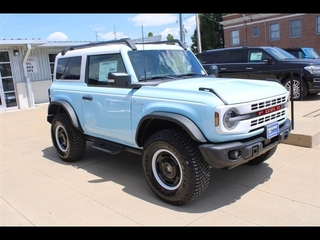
point(156, 100)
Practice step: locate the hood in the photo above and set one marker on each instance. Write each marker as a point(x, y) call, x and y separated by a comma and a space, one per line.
point(302, 61)
point(231, 90)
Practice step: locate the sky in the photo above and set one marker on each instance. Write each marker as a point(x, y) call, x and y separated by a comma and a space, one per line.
point(94, 27)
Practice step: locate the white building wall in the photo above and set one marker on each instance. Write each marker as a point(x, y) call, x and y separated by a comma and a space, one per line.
point(22, 95)
point(40, 90)
point(42, 63)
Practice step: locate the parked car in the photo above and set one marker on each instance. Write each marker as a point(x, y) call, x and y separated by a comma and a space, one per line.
point(265, 62)
point(303, 52)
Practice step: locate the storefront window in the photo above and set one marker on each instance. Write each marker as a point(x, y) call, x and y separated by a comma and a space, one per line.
point(7, 81)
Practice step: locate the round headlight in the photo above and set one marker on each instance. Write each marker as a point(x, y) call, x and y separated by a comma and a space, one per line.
point(228, 119)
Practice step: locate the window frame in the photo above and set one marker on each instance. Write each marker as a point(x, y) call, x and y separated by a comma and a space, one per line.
point(255, 29)
point(274, 32)
point(297, 28)
point(234, 38)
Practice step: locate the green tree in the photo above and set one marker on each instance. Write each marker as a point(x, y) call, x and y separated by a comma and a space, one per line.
point(170, 37)
point(211, 32)
point(150, 34)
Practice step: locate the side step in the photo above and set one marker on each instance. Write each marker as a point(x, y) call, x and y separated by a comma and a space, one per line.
point(108, 147)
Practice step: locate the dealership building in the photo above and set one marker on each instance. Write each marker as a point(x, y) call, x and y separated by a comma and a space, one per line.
point(26, 70)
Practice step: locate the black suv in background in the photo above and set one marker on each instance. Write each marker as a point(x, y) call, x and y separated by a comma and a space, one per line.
point(263, 63)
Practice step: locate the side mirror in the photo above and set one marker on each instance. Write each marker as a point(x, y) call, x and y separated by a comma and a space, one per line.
point(117, 79)
point(268, 60)
point(213, 70)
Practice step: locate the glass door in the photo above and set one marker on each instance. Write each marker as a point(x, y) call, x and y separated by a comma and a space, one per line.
point(8, 95)
point(2, 101)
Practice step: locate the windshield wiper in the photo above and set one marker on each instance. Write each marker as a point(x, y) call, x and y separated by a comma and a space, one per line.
point(156, 77)
point(189, 74)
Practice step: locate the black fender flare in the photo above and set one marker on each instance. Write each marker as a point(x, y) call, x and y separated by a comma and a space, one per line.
point(55, 107)
point(188, 125)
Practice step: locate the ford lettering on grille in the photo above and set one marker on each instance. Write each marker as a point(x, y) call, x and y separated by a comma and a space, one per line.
point(268, 110)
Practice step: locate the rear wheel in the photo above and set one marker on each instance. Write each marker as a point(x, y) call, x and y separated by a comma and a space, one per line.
point(174, 167)
point(68, 141)
point(262, 157)
point(296, 90)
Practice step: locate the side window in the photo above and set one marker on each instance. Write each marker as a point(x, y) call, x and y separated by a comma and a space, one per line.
point(68, 68)
point(99, 67)
point(209, 57)
point(296, 53)
point(237, 56)
point(257, 56)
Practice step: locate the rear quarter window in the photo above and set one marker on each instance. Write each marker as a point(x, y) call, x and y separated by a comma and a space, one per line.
point(235, 57)
point(209, 57)
point(68, 68)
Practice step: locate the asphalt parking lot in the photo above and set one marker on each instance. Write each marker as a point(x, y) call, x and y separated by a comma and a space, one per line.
point(38, 189)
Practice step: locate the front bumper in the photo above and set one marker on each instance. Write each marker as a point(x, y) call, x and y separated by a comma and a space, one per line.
point(218, 155)
point(315, 86)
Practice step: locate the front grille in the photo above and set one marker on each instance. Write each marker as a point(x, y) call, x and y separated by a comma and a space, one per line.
point(268, 103)
point(267, 118)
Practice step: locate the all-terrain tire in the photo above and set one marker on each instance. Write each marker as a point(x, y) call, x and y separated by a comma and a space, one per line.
point(173, 167)
point(69, 142)
point(262, 157)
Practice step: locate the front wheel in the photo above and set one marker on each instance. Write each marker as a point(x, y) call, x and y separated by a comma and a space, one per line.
point(262, 157)
point(174, 167)
point(69, 142)
point(296, 90)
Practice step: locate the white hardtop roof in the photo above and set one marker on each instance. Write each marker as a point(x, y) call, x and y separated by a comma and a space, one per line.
point(116, 47)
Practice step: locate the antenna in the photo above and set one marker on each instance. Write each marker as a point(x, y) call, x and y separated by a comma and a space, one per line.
point(144, 56)
point(115, 33)
point(96, 34)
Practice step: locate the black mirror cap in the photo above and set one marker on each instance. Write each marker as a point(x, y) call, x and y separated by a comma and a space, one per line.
point(213, 70)
point(119, 79)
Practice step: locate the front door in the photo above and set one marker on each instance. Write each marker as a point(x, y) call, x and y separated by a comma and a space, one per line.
point(7, 91)
point(258, 67)
point(2, 101)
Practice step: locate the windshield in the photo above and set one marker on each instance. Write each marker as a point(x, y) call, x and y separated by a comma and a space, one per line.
point(311, 53)
point(151, 64)
point(279, 53)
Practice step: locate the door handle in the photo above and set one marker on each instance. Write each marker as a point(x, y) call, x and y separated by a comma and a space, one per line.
point(87, 98)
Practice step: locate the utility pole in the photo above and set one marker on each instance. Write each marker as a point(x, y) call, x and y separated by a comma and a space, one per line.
point(198, 33)
point(181, 33)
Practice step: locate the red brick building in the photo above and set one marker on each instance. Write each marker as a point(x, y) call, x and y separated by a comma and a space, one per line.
point(281, 30)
